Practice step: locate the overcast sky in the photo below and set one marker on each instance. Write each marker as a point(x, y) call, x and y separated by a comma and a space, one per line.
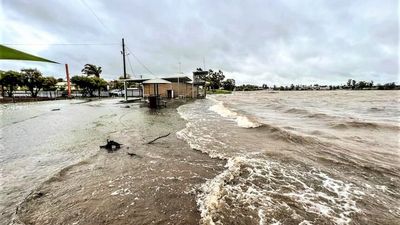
point(267, 41)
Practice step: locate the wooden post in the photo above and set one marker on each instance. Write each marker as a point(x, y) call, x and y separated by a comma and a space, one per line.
point(68, 81)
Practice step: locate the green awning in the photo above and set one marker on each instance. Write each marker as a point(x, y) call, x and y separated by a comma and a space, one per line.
point(13, 54)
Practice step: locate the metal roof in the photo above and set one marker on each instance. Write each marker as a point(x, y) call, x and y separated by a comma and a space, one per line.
point(183, 79)
point(156, 81)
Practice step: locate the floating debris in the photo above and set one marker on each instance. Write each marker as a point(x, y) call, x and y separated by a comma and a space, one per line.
point(132, 154)
point(163, 136)
point(111, 145)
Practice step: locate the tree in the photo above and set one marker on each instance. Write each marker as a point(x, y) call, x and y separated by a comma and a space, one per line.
point(33, 80)
point(10, 79)
point(215, 79)
point(390, 86)
point(349, 83)
point(99, 84)
point(89, 84)
point(353, 84)
point(60, 80)
point(49, 84)
point(362, 84)
point(83, 83)
point(229, 84)
point(90, 69)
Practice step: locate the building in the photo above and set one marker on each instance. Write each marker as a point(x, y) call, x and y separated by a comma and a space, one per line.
point(168, 87)
point(63, 86)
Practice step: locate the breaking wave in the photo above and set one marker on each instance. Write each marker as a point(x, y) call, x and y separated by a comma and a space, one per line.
point(296, 166)
point(241, 120)
point(261, 191)
point(290, 136)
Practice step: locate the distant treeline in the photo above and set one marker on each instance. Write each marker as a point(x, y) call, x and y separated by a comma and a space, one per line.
point(350, 85)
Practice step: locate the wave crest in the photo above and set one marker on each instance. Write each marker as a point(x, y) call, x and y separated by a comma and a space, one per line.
point(363, 125)
point(258, 191)
point(241, 120)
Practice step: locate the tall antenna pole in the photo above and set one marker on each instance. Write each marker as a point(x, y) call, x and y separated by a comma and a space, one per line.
point(204, 63)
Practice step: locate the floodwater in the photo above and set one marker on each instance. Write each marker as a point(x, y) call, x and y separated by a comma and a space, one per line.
point(38, 139)
point(326, 157)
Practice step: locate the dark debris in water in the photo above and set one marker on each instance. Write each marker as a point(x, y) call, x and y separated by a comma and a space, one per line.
point(111, 146)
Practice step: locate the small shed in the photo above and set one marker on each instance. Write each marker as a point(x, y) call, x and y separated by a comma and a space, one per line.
point(158, 86)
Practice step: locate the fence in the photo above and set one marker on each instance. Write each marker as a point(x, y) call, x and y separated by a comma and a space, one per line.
point(74, 93)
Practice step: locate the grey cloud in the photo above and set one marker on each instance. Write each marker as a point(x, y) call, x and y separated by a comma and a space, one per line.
point(259, 42)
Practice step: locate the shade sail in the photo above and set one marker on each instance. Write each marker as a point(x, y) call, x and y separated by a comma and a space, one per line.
point(7, 53)
point(156, 81)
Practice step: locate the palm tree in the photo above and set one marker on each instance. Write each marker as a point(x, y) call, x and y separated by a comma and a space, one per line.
point(91, 69)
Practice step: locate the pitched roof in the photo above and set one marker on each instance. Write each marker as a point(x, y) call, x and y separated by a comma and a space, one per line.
point(156, 81)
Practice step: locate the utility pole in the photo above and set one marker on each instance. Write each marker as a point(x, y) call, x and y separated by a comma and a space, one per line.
point(178, 78)
point(123, 59)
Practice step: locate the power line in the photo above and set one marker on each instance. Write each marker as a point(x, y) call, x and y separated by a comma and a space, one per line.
point(98, 19)
point(80, 44)
point(137, 59)
point(130, 65)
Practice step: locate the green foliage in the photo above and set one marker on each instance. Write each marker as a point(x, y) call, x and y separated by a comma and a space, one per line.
point(387, 86)
point(116, 84)
point(89, 84)
point(49, 84)
point(11, 80)
point(33, 80)
point(229, 84)
point(248, 87)
point(215, 79)
point(90, 69)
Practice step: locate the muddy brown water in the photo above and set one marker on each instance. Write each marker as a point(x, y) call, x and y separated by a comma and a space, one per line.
point(328, 157)
point(53, 171)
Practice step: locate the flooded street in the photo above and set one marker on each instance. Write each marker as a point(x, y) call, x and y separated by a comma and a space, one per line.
point(246, 158)
point(37, 141)
point(53, 171)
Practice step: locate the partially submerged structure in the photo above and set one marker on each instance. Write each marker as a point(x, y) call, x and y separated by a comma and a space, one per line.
point(170, 87)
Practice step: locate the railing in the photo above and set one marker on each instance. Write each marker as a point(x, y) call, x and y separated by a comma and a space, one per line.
point(74, 93)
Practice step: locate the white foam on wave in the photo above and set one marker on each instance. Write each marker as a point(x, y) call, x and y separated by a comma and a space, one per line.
point(197, 136)
point(265, 190)
point(270, 190)
point(242, 121)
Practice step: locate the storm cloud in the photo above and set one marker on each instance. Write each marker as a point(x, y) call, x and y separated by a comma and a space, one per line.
point(272, 42)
